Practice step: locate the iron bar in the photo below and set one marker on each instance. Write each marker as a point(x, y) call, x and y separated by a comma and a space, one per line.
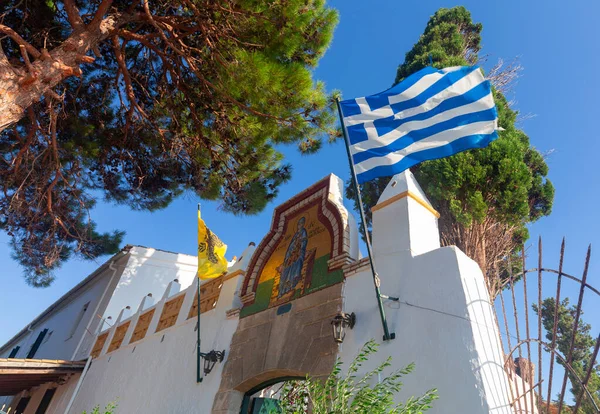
point(386, 333)
point(575, 326)
point(568, 366)
point(510, 388)
point(574, 377)
point(512, 289)
point(591, 366)
point(529, 390)
point(568, 276)
point(556, 301)
point(527, 325)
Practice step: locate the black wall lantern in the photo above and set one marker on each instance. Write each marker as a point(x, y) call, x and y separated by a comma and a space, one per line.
point(211, 358)
point(340, 322)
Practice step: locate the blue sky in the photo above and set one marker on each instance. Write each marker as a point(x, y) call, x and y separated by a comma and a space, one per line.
point(556, 44)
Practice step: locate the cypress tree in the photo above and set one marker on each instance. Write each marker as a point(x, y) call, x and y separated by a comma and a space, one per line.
point(486, 197)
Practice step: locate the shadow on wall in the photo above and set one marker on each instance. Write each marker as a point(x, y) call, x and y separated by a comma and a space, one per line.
point(149, 271)
point(484, 363)
point(444, 323)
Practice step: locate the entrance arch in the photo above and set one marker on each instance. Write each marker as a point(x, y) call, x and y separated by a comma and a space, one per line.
point(291, 292)
point(250, 399)
point(273, 344)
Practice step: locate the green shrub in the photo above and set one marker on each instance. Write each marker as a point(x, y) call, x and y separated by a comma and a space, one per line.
point(352, 394)
point(109, 409)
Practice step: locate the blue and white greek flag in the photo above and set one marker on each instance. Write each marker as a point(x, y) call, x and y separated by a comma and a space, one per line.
point(431, 114)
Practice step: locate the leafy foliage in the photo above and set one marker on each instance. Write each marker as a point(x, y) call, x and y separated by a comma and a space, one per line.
point(581, 350)
point(109, 409)
point(486, 197)
point(139, 101)
point(350, 393)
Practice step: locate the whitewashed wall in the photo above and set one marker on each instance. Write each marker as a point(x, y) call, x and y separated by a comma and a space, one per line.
point(158, 373)
point(142, 271)
point(122, 283)
point(58, 344)
point(443, 322)
point(150, 271)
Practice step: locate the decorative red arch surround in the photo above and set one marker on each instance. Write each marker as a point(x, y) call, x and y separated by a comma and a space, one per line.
point(331, 213)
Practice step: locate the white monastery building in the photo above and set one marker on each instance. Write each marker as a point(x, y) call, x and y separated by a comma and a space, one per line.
point(128, 332)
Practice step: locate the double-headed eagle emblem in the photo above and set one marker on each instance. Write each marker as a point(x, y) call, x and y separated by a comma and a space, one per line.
point(208, 245)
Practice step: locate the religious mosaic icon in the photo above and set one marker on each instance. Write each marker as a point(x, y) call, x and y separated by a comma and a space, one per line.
point(291, 268)
point(298, 264)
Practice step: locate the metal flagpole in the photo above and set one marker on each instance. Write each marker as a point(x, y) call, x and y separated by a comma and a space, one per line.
point(386, 333)
point(198, 354)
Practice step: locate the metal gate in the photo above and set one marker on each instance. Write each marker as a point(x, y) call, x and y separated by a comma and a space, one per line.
point(526, 338)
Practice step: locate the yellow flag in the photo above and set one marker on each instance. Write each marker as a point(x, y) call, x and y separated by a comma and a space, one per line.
point(211, 253)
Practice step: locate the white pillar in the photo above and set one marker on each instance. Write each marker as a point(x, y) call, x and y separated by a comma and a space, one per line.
point(443, 319)
point(188, 301)
point(404, 219)
point(173, 288)
point(146, 302)
point(124, 314)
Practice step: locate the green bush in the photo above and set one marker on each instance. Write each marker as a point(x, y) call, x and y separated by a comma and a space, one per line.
point(109, 409)
point(352, 394)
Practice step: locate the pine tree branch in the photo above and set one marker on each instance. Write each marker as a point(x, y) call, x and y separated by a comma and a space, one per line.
point(99, 16)
point(60, 63)
point(144, 40)
point(73, 14)
point(126, 76)
point(19, 40)
point(26, 60)
point(175, 63)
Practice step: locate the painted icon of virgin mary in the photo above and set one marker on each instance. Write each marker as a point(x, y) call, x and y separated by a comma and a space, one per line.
point(294, 260)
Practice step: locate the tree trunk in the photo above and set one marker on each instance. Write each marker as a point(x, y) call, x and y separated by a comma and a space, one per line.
point(22, 87)
point(9, 112)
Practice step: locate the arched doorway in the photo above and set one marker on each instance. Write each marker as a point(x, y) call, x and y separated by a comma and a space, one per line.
point(291, 292)
point(265, 397)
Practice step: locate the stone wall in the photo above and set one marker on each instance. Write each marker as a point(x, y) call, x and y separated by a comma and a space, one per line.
point(525, 369)
point(288, 341)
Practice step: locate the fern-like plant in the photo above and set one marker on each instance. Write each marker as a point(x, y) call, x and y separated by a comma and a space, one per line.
point(109, 409)
point(353, 394)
